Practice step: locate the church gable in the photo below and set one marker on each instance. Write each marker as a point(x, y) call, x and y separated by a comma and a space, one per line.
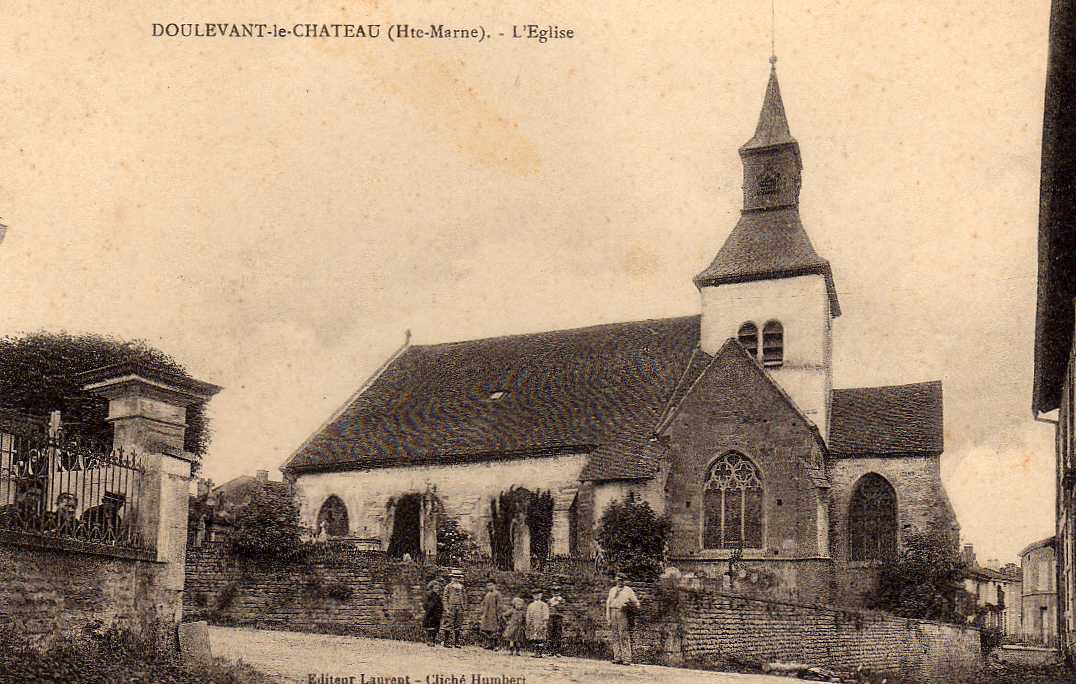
point(744, 463)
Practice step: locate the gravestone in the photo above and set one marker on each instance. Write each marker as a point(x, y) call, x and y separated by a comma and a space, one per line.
point(194, 641)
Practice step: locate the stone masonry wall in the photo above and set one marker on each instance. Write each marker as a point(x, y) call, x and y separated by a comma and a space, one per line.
point(734, 408)
point(702, 624)
point(50, 595)
point(465, 490)
point(922, 506)
point(386, 597)
point(723, 627)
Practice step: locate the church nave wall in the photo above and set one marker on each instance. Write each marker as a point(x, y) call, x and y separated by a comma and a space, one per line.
point(465, 490)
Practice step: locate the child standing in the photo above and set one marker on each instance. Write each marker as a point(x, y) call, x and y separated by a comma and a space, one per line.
point(515, 630)
point(433, 608)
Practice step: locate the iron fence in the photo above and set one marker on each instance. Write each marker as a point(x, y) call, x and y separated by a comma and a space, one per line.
point(62, 489)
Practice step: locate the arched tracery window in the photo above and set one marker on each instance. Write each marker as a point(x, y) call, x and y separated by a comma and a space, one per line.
point(732, 504)
point(773, 344)
point(334, 514)
point(872, 520)
point(748, 338)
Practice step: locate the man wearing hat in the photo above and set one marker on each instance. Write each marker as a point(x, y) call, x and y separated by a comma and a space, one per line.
point(452, 621)
point(622, 601)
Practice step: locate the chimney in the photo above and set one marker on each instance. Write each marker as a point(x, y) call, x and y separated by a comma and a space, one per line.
point(204, 486)
point(969, 556)
point(262, 476)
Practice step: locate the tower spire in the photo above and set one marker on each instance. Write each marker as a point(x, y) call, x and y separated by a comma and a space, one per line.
point(772, 128)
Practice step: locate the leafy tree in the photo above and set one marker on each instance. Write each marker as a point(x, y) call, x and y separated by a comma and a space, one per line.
point(925, 581)
point(632, 537)
point(38, 375)
point(268, 526)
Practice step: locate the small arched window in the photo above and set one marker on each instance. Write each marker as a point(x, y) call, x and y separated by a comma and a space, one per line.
point(773, 344)
point(333, 514)
point(732, 504)
point(748, 338)
point(872, 520)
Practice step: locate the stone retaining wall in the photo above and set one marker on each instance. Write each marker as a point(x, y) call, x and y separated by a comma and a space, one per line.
point(386, 598)
point(50, 595)
point(702, 625)
point(725, 627)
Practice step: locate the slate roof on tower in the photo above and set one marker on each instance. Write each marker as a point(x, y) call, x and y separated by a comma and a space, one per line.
point(771, 242)
point(768, 244)
point(772, 128)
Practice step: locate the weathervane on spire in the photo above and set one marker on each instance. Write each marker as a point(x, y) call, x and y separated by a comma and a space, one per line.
point(773, 34)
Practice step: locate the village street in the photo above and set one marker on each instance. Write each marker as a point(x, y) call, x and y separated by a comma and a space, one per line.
point(296, 657)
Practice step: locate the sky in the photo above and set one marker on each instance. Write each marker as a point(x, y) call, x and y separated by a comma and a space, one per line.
point(275, 213)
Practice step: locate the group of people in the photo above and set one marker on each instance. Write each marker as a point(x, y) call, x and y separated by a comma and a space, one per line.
point(516, 624)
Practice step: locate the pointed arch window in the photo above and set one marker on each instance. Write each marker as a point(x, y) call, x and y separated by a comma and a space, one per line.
point(773, 344)
point(333, 515)
point(732, 504)
point(872, 520)
point(748, 338)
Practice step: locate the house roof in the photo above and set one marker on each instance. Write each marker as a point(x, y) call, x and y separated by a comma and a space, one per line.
point(598, 390)
point(897, 419)
point(1050, 542)
point(982, 573)
point(766, 244)
point(602, 390)
point(1054, 317)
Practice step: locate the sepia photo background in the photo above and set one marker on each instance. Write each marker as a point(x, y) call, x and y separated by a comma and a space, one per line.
point(275, 213)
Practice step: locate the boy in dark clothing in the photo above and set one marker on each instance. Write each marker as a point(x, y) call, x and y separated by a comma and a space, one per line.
point(556, 623)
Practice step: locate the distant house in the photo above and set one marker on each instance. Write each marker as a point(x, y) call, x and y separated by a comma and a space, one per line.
point(1054, 396)
point(212, 511)
point(1039, 600)
point(996, 594)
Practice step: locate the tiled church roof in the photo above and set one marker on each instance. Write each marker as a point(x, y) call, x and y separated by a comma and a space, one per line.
point(887, 420)
point(599, 389)
point(602, 390)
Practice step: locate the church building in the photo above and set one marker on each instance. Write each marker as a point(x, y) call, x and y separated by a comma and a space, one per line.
point(727, 422)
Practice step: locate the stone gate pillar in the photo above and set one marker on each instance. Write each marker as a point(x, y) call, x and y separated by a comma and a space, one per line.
point(148, 412)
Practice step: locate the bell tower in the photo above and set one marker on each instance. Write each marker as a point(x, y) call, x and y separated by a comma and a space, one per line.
point(768, 287)
point(772, 170)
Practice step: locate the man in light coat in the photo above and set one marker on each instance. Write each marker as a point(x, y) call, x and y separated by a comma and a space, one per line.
point(621, 601)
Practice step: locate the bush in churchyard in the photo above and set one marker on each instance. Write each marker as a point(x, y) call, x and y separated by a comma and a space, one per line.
point(925, 580)
point(268, 527)
point(454, 544)
point(633, 538)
